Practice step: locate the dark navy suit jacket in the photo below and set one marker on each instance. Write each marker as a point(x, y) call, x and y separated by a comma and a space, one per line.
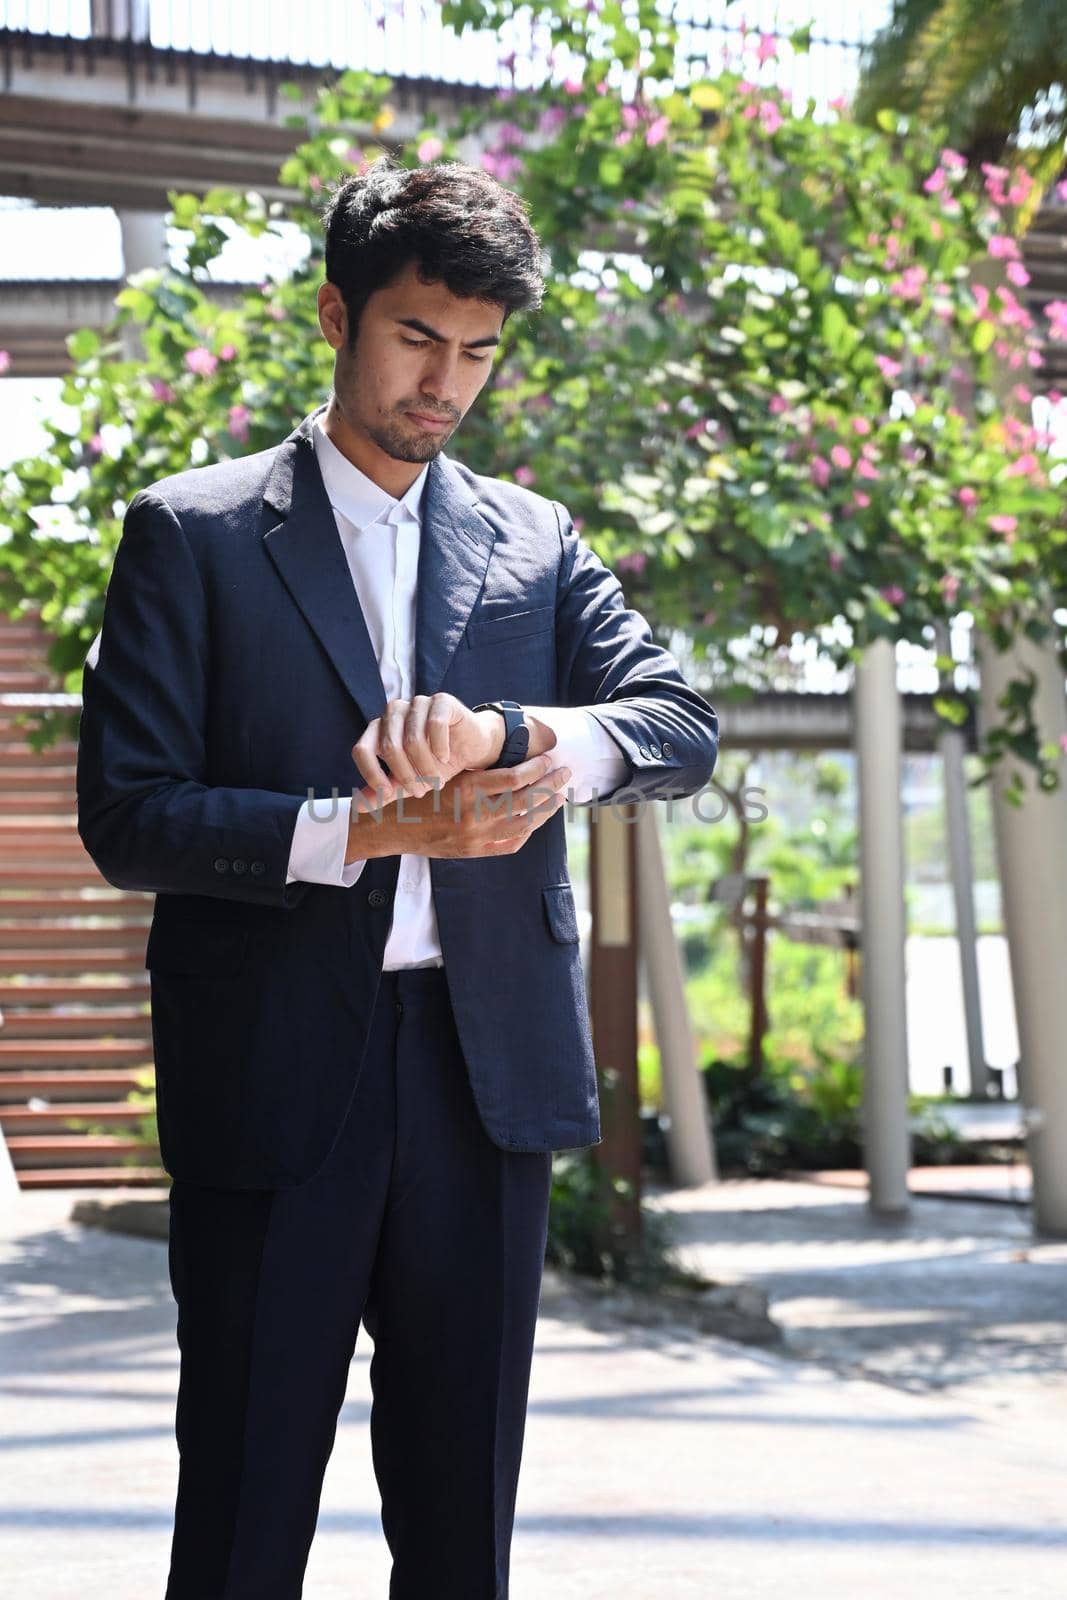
point(234, 672)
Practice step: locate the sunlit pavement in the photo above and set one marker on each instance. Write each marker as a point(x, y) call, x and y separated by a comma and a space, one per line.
point(658, 1464)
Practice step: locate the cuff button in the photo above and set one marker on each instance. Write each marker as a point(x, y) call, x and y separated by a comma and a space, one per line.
point(221, 864)
point(654, 748)
point(668, 748)
point(258, 868)
point(642, 751)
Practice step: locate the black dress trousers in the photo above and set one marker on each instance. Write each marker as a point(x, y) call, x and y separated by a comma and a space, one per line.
point(432, 1235)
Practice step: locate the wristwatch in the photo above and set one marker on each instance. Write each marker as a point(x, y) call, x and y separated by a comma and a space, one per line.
point(516, 733)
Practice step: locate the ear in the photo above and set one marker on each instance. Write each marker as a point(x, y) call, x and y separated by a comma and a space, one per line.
point(333, 318)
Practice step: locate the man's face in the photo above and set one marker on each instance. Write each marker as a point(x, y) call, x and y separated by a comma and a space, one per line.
point(419, 349)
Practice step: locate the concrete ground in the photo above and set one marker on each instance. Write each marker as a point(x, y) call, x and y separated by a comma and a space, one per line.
point(908, 1439)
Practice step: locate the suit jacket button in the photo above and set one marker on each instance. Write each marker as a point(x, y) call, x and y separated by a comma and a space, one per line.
point(221, 864)
point(258, 868)
point(377, 897)
point(239, 864)
point(643, 752)
point(668, 748)
point(654, 749)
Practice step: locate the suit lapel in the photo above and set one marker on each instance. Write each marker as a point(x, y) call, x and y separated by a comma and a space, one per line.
point(454, 548)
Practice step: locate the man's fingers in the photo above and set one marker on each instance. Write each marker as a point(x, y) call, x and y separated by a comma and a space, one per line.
point(494, 780)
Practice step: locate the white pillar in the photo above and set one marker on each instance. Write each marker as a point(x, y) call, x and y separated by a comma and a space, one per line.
point(144, 244)
point(689, 1143)
point(1031, 842)
point(878, 742)
point(961, 868)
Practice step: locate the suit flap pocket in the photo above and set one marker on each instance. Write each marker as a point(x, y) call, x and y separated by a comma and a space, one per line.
point(559, 908)
point(487, 629)
point(208, 949)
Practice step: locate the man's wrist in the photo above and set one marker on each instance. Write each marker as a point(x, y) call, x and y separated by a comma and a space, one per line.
point(369, 835)
point(542, 737)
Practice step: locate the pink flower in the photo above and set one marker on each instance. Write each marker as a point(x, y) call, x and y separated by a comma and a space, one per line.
point(1018, 273)
point(836, 559)
point(767, 48)
point(840, 104)
point(841, 457)
point(552, 120)
point(1022, 394)
point(1024, 466)
point(936, 181)
point(820, 471)
point(893, 593)
point(227, 352)
point(770, 115)
point(1035, 358)
point(861, 425)
point(276, 310)
point(524, 475)
point(968, 498)
point(503, 167)
point(1056, 312)
point(572, 86)
point(160, 390)
point(697, 429)
point(430, 148)
point(201, 361)
point(1061, 190)
point(866, 469)
point(1002, 524)
point(1020, 190)
point(238, 421)
point(96, 445)
point(1003, 247)
point(950, 588)
point(861, 500)
point(1063, 742)
point(889, 368)
point(314, 182)
point(953, 160)
point(657, 131)
point(5, 360)
point(778, 404)
point(632, 561)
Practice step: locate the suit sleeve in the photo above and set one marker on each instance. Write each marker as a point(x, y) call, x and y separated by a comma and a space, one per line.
point(609, 663)
point(146, 814)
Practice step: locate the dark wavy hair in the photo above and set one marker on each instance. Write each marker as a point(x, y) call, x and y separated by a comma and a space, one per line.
point(459, 224)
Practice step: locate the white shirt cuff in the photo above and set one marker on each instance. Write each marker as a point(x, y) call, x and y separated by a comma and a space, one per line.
point(598, 765)
point(320, 839)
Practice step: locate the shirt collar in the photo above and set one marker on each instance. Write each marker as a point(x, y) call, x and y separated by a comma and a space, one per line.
point(354, 494)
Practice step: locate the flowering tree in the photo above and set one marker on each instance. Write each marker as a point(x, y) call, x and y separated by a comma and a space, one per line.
point(750, 395)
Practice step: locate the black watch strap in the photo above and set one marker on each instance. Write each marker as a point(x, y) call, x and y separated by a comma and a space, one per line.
point(516, 733)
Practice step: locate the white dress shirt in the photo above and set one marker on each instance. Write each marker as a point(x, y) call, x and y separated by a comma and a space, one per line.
point(380, 538)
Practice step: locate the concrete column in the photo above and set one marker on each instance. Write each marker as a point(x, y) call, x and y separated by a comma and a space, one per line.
point(144, 244)
point(878, 741)
point(119, 19)
point(1031, 843)
point(958, 831)
point(689, 1143)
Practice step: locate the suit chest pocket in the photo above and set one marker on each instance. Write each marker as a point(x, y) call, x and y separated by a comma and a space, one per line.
point(509, 626)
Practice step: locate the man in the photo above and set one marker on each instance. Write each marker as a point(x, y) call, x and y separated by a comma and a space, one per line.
point(340, 689)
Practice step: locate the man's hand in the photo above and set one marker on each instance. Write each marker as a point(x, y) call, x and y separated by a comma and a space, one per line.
point(487, 813)
point(428, 737)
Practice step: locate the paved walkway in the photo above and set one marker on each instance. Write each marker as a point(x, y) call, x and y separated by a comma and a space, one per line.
point(908, 1441)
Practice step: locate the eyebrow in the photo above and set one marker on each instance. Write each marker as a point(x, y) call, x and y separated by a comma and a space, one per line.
point(432, 333)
